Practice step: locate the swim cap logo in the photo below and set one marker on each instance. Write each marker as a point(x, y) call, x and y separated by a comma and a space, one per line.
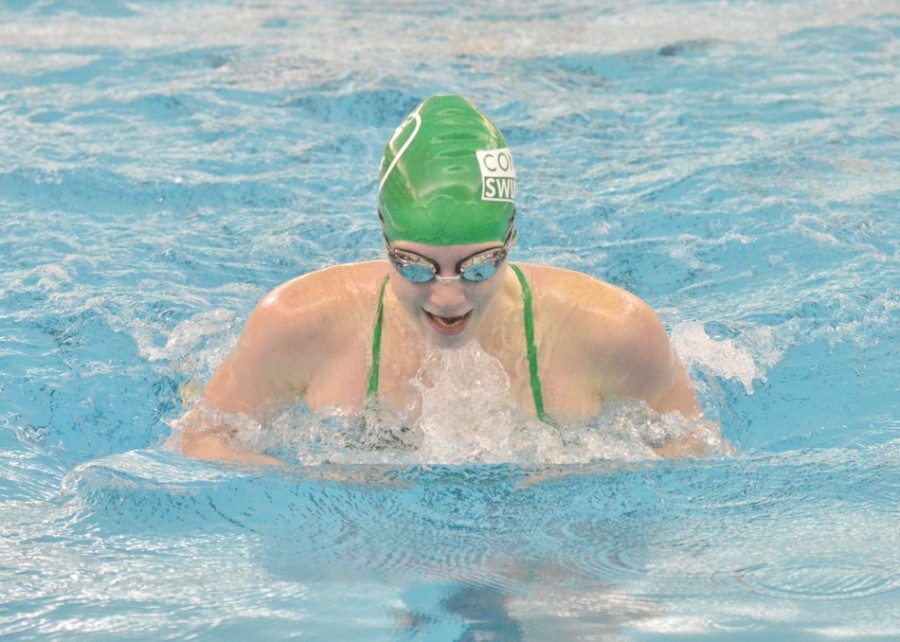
point(498, 175)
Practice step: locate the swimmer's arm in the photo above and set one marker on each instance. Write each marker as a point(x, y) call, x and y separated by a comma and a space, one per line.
point(655, 373)
point(648, 369)
point(267, 368)
point(240, 391)
point(629, 354)
point(204, 438)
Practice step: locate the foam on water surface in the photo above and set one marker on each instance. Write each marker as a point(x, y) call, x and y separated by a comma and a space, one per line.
point(463, 415)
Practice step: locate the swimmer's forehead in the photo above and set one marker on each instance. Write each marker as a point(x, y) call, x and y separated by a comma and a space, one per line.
point(447, 177)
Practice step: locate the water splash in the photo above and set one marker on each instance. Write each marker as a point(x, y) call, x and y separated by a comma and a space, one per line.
point(745, 359)
point(466, 411)
point(464, 414)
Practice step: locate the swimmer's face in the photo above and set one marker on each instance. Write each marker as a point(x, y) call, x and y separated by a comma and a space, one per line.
point(447, 312)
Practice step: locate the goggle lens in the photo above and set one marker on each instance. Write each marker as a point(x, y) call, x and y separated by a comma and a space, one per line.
point(415, 272)
point(479, 271)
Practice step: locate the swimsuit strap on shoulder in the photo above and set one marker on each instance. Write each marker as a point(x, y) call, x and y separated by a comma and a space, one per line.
point(530, 348)
point(376, 343)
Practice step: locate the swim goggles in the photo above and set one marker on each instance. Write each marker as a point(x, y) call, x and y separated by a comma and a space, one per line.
point(476, 268)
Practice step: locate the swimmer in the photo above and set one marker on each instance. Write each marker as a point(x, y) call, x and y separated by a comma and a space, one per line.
point(339, 337)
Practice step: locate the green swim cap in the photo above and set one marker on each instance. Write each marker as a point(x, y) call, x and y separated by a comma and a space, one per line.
point(447, 177)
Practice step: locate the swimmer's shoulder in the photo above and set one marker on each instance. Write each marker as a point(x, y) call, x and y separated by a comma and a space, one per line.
point(325, 300)
point(564, 287)
point(607, 333)
point(345, 284)
point(588, 304)
point(300, 329)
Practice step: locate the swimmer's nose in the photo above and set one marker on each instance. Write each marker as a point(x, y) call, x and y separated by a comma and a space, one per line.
point(446, 295)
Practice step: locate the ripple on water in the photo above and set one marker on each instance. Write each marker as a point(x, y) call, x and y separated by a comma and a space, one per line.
point(465, 528)
point(820, 579)
point(619, 552)
point(612, 560)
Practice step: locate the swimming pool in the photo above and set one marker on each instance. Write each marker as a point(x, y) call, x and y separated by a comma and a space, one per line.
point(733, 163)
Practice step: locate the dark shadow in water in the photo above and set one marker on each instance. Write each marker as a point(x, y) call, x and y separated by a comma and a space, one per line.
point(479, 612)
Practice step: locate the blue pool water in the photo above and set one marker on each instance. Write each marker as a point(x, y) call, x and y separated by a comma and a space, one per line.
point(736, 164)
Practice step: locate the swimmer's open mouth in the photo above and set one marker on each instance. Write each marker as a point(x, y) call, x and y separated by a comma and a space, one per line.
point(448, 325)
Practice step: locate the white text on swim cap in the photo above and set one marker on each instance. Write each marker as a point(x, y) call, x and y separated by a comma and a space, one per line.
point(498, 175)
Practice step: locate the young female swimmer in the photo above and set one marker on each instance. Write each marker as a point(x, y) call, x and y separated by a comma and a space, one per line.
point(568, 342)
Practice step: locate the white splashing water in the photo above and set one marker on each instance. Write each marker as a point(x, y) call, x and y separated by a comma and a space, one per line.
point(466, 412)
point(465, 415)
point(745, 361)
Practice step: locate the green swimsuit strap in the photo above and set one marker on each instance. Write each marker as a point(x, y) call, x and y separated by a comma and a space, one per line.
point(376, 343)
point(530, 348)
